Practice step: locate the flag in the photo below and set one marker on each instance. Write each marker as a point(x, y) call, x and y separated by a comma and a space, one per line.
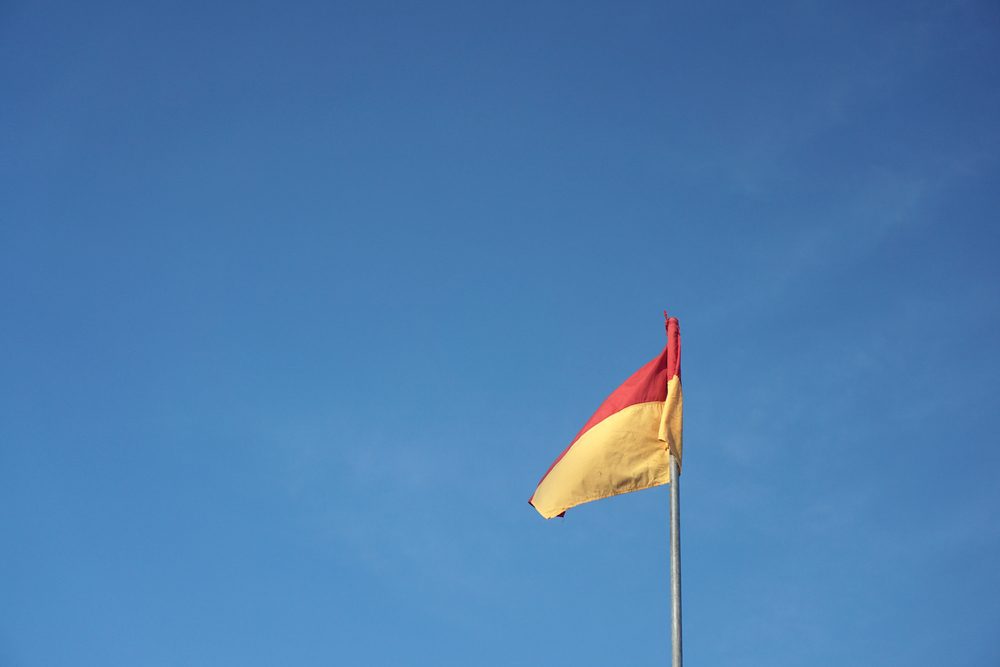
point(626, 445)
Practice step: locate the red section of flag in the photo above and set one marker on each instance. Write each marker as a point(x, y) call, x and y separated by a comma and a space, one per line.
point(673, 350)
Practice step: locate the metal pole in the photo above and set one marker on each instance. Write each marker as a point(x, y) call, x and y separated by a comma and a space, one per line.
point(675, 562)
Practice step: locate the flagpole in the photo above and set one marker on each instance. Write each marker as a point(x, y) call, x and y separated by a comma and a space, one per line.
point(675, 562)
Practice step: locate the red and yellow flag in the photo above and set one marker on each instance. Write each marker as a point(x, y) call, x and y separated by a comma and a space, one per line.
point(625, 446)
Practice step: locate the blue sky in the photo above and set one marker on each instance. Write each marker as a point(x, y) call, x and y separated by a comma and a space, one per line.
point(299, 302)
